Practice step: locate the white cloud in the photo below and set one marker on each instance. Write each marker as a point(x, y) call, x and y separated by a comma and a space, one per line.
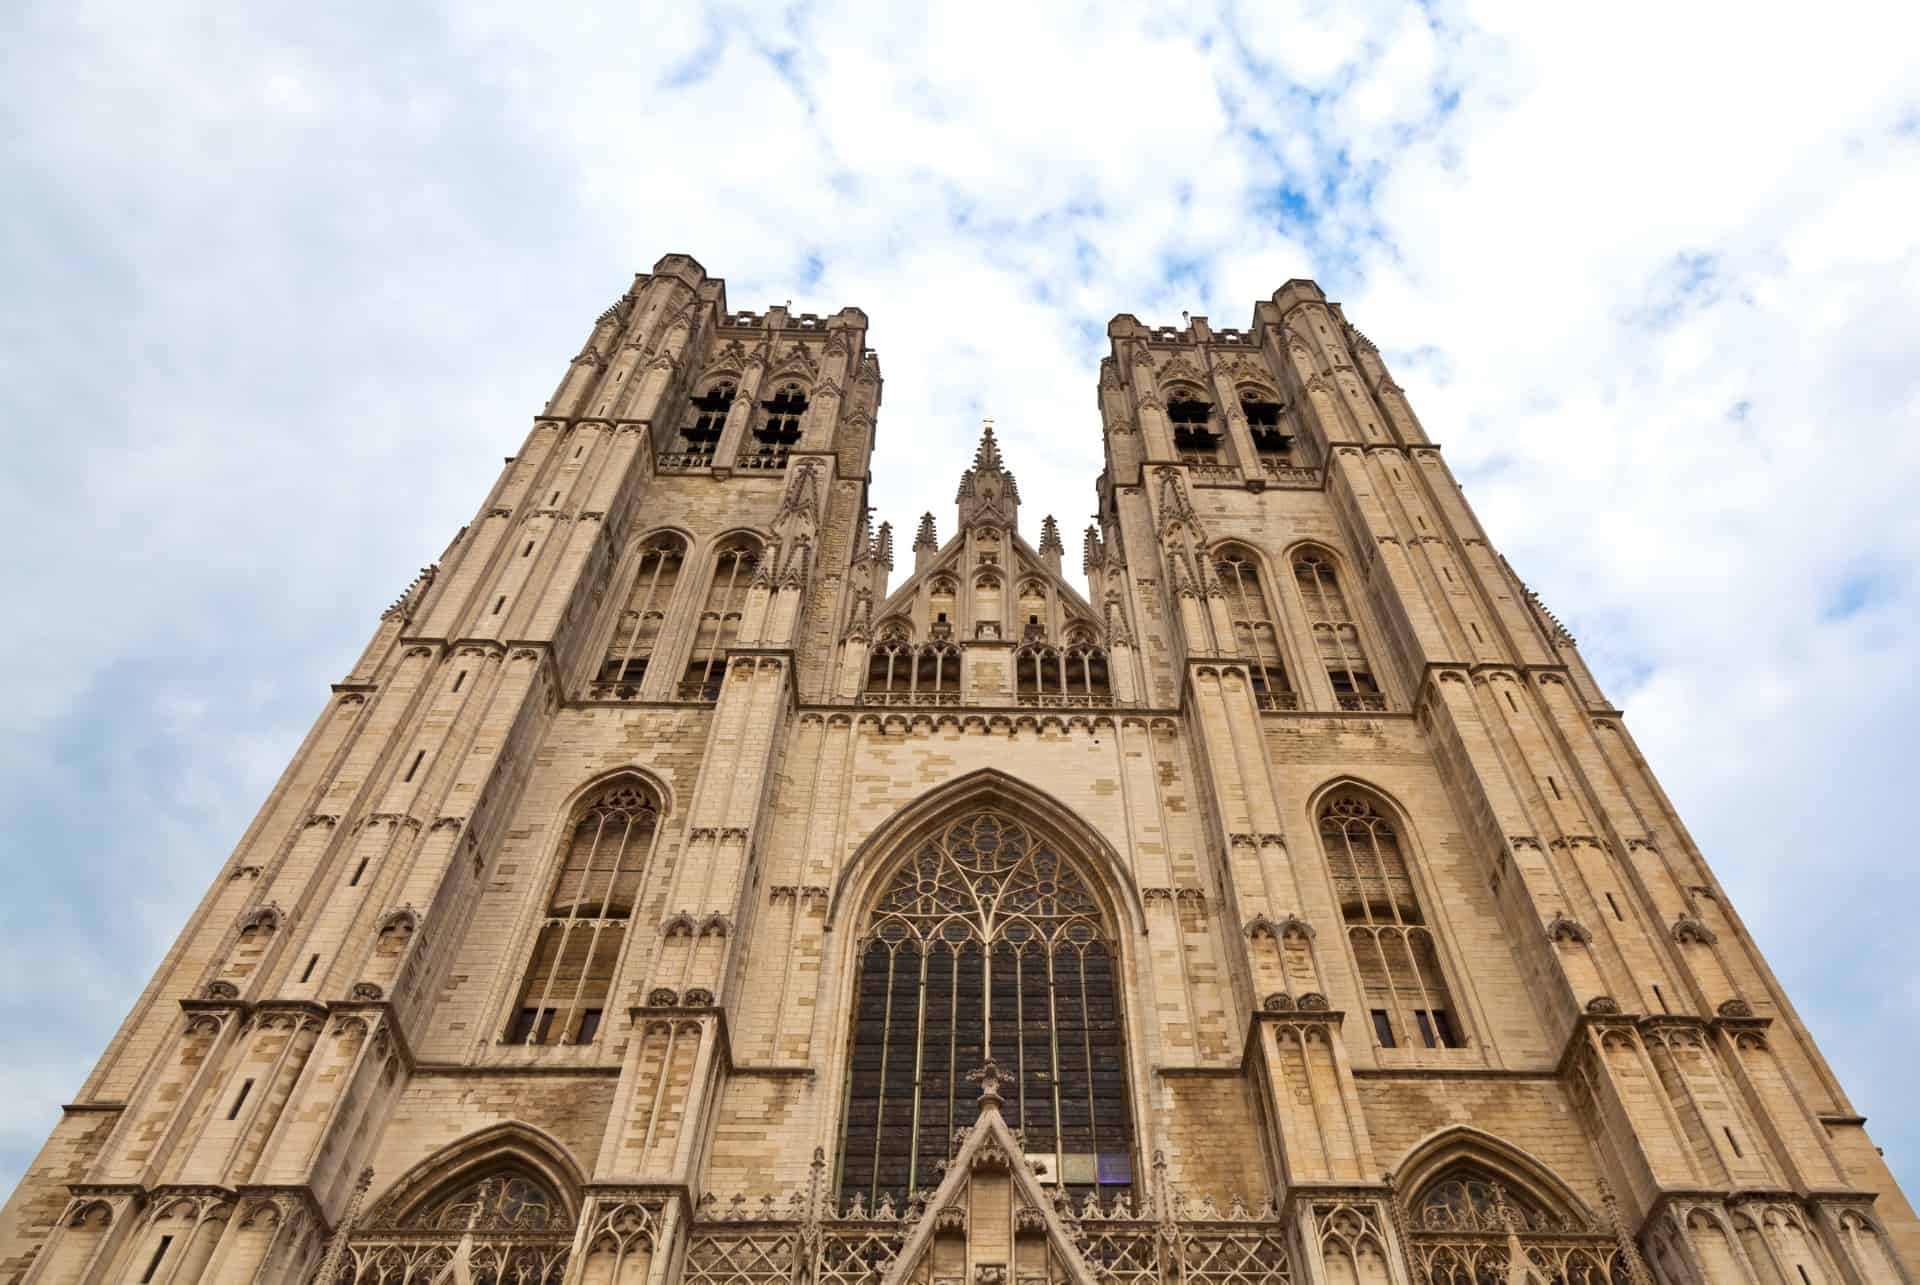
point(283, 286)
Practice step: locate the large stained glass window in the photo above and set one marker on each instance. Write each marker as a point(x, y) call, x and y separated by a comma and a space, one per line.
point(986, 944)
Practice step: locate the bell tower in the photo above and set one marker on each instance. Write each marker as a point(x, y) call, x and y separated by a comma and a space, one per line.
point(669, 896)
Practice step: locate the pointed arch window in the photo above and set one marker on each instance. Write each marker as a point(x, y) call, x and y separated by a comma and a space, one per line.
point(779, 431)
point(570, 976)
point(706, 417)
point(1264, 424)
point(720, 614)
point(1393, 948)
point(986, 944)
point(901, 673)
point(638, 628)
point(1194, 438)
point(1335, 633)
point(1255, 635)
point(1465, 1224)
point(506, 1225)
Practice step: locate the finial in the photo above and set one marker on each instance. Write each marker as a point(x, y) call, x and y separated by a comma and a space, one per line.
point(883, 545)
point(924, 537)
point(988, 1078)
point(1050, 536)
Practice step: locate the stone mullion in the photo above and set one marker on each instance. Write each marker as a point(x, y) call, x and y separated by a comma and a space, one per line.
point(823, 413)
point(739, 416)
point(1245, 456)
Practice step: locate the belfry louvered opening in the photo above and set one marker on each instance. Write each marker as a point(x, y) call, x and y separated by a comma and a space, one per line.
point(987, 943)
point(570, 976)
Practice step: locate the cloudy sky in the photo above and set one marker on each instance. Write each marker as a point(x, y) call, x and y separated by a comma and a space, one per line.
point(281, 284)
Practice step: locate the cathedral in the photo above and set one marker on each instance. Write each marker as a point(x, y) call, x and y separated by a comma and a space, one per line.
point(678, 891)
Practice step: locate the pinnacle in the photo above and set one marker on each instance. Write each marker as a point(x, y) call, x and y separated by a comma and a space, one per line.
point(987, 454)
point(883, 544)
point(1050, 536)
point(924, 537)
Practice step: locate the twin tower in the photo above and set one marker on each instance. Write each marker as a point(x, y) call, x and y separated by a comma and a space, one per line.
point(668, 895)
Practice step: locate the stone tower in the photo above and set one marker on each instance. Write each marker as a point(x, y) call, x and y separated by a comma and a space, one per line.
point(663, 897)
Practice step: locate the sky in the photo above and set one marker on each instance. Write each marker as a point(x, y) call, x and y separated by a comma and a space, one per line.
point(281, 284)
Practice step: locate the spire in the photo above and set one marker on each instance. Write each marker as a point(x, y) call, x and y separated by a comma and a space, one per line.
point(883, 546)
point(863, 538)
point(1094, 555)
point(1051, 550)
point(987, 491)
point(925, 545)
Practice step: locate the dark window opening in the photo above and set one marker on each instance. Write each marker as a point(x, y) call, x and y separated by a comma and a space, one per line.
point(458, 679)
point(1436, 1028)
point(780, 430)
point(166, 1242)
point(306, 974)
point(1193, 438)
point(1383, 1028)
point(530, 1026)
point(414, 766)
point(499, 603)
point(1661, 1000)
point(1615, 906)
point(357, 872)
point(709, 417)
point(1733, 1142)
point(1270, 437)
point(239, 1100)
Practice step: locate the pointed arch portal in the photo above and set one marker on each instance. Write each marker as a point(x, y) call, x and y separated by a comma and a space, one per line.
point(986, 942)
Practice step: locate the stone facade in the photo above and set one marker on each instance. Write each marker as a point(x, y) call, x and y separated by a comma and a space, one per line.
point(1417, 975)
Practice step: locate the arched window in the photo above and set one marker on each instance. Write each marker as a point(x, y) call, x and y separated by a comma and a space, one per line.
point(941, 607)
point(638, 628)
point(720, 614)
point(706, 417)
point(1463, 1223)
point(1393, 948)
point(1033, 610)
point(1194, 438)
point(986, 944)
point(779, 431)
point(571, 973)
point(1335, 633)
point(1254, 634)
point(986, 607)
point(890, 668)
point(1270, 437)
point(900, 673)
point(504, 1225)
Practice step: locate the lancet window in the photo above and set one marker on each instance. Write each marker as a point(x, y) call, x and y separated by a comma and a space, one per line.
point(706, 417)
point(568, 980)
point(1255, 635)
point(638, 629)
point(1393, 948)
point(1335, 633)
point(779, 431)
point(1194, 438)
point(1072, 675)
point(720, 615)
point(987, 943)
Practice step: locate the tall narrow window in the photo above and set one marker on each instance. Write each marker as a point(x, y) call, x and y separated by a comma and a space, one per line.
point(1254, 633)
point(570, 976)
point(706, 417)
point(638, 628)
point(986, 944)
point(1335, 633)
point(1194, 438)
point(1392, 945)
point(720, 614)
point(779, 431)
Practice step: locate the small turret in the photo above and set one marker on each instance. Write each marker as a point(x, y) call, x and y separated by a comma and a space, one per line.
point(883, 546)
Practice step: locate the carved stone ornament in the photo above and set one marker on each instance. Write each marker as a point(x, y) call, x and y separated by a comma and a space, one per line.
point(367, 992)
point(1736, 1008)
point(1313, 1002)
point(1278, 1002)
point(1561, 928)
point(222, 990)
point(698, 997)
point(1603, 1006)
point(662, 997)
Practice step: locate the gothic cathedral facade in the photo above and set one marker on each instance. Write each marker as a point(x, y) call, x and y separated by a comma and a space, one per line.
point(667, 895)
